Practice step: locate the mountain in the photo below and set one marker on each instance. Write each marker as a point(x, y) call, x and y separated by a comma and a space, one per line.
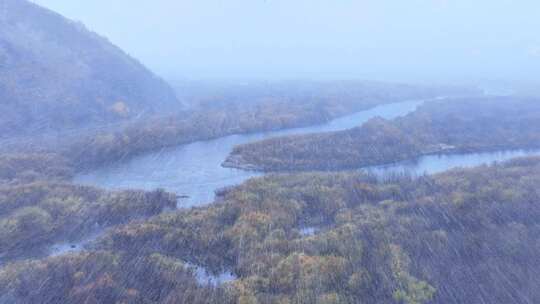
point(56, 74)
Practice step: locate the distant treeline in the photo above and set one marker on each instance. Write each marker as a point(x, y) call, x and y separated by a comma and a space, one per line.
point(465, 236)
point(448, 126)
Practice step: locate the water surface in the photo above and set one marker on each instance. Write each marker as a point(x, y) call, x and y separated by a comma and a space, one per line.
point(208, 279)
point(431, 164)
point(66, 247)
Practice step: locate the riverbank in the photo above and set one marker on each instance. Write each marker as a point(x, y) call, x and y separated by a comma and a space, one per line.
point(40, 207)
point(467, 125)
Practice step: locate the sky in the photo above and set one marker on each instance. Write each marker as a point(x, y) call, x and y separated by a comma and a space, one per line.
point(389, 40)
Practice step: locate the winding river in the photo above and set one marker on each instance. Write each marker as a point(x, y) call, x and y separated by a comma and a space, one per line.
point(194, 170)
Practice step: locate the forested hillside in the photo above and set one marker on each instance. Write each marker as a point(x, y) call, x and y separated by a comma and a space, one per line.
point(318, 238)
point(56, 74)
point(446, 126)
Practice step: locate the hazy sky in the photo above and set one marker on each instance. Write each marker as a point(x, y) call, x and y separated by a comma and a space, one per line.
point(413, 40)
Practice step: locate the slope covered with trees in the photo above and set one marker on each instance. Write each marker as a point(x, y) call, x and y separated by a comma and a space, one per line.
point(55, 74)
point(432, 239)
point(448, 126)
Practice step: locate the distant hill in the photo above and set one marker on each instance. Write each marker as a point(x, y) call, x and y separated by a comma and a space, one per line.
point(56, 74)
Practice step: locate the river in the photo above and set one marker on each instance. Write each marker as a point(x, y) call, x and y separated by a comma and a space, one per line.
point(194, 170)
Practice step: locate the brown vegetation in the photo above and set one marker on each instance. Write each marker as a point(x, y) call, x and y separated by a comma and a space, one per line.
point(431, 239)
point(38, 207)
